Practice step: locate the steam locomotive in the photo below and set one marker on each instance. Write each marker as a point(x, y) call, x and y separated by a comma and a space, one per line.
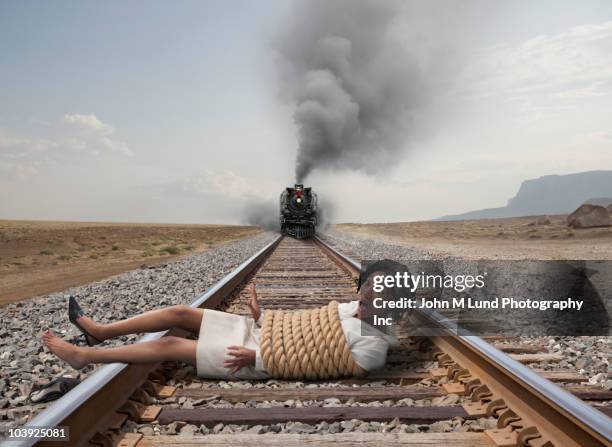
point(298, 212)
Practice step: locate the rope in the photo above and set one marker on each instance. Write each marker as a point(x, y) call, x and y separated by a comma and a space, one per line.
point(307, 344)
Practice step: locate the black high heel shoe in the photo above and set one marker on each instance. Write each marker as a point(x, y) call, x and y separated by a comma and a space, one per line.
point(53, 390)
point(74, 312)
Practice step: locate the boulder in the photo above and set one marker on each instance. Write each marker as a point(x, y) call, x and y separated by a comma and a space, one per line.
point(587, 216)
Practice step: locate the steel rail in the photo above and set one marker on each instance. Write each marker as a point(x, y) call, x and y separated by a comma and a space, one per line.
point(560, 416)
point(122, 378)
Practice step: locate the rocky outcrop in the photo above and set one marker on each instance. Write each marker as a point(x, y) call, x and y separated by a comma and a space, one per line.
point(587, 216)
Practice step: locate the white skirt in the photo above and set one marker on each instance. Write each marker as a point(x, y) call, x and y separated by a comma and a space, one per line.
point(218, 331)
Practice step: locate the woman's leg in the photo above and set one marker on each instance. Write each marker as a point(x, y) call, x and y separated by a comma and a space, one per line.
point(164, 349)
point(180, 316)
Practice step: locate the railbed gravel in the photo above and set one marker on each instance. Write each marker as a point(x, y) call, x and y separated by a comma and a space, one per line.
point(26, 363)
point(292, 427)
point(215, 402)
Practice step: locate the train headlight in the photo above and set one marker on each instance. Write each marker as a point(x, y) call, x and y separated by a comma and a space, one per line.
point(298, 200)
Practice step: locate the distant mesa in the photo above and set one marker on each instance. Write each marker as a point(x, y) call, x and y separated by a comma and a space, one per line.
point(550, 194)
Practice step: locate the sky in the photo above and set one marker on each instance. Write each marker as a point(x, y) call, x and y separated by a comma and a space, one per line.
point(163, 111)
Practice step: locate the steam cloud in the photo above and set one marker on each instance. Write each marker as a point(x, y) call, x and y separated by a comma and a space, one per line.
point(262, 213)
point(325, 212)
point(356, 82)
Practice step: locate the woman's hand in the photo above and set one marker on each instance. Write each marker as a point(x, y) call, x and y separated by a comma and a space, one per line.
point(253, 303)
point(241, 357)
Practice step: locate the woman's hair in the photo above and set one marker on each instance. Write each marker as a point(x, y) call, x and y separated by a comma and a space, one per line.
point(386, 266)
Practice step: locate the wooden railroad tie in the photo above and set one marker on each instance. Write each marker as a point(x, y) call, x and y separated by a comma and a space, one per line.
point(310, 415)
point(525, 358)
point(553, 376)
point(339, 440)
point(377, 393)
point(520, 349)
point(279, 394)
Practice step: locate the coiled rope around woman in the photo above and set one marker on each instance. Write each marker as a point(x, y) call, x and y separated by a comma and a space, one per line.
point(307, 344)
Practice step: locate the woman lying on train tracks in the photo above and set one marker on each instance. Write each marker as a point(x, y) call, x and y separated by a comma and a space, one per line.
point(319, 343)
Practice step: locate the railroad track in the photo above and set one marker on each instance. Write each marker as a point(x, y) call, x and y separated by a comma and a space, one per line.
point(432, 380)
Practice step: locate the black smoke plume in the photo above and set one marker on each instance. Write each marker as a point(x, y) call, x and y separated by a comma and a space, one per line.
point(356, 81)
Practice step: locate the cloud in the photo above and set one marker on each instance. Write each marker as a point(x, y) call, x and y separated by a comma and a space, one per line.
point(88, 122)
point(224, 183)
point(240, 199)
point(88, 133)
point(583, 55)
point(15, 148)
point(76, 134)
point(21, 157)
point(18, 170)
point(601, 136)
point(547, 74)
point(590, 91)
point(219, 183)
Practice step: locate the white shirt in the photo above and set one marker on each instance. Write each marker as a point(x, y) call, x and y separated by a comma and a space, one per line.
point(369, 351)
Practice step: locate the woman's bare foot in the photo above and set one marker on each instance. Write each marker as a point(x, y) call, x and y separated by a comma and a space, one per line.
point(71, 354)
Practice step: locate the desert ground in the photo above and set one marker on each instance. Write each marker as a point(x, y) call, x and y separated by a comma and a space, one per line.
point(532, 237)
point(39, 257)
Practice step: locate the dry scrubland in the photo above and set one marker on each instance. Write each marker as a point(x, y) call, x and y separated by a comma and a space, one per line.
point(533, 237)
point(42, 257)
